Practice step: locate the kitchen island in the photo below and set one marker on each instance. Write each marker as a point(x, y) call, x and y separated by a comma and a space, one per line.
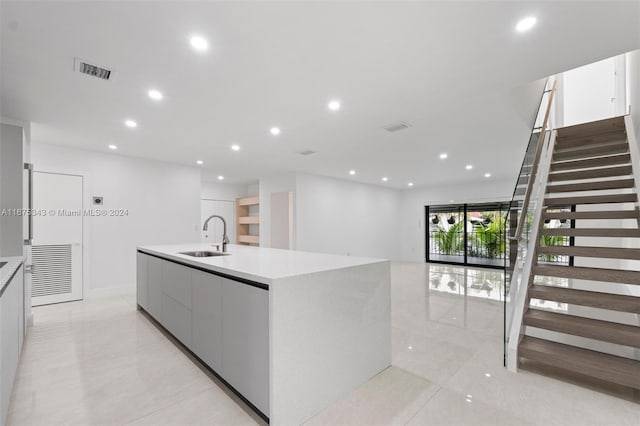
point(288, 331)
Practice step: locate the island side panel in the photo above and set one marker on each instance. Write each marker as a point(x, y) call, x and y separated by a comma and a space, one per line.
point(330, 332)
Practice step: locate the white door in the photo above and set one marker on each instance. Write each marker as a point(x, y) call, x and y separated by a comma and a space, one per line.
point(57, 238)
point(226, 209)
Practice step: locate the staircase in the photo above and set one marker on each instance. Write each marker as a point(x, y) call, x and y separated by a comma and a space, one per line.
point(579, 316)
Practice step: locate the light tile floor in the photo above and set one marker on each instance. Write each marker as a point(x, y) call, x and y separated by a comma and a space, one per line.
point(100, 362)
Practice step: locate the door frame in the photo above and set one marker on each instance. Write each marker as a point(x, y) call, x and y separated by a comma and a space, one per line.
point(86, 220)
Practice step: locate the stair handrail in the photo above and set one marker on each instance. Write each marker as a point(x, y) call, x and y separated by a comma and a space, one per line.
point(522, 288)
point(534, 166)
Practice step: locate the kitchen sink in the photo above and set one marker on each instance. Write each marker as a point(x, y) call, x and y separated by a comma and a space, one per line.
point(204, 253)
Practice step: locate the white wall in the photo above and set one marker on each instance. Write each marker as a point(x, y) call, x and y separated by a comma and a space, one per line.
point(593, 92)
point(283, 182)
point(163, 200)
point(343, 217)
point(222, 191)
point(412, 202)
point(633, 90)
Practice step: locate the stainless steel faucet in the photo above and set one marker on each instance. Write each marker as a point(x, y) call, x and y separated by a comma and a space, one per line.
point(225, 238)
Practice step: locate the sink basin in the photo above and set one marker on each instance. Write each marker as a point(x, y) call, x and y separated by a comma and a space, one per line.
point(204, 253)
point(2, 264)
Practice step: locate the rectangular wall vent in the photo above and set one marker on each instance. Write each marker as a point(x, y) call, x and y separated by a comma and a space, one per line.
point(93, 70)
point(396, 127)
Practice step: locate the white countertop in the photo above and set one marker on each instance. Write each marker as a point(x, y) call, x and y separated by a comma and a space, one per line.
point(13, 263)
point(258, 264)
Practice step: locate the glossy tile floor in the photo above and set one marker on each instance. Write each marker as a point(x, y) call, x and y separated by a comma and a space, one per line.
point(101, 362)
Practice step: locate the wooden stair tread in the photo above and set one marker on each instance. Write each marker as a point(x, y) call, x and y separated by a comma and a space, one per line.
point(593, 232)
point(600, 252)
point(591, 274)
point(591, 199)
point(606, 331)
point(623, 371)
point(591, 173)
point(606, 214)
point(606, 126)
point(594, 299)
point(590, 141)
point(609, 160)
point(591, 151)
point(591, 186)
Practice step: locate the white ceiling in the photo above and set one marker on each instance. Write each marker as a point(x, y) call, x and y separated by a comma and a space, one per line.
point(458, 72)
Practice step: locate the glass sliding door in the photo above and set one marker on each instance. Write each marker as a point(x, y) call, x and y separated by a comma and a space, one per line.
point(445, 234)
point(468, 234)
point(486, 234)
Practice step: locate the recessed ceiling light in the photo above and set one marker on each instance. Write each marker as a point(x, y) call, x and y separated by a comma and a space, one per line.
point(384, 179)
point(468, 167)
point(526, 24)
point(334, 105)
point(156, 95)
point(487, 175)
point(443, 156)
point(130, 123)
point(220, 177)
point(235, 147)
point(410, 184)
point(112, 146)
point(275, 131)
point(200, 162)
point(199, 43)
point(352, 172)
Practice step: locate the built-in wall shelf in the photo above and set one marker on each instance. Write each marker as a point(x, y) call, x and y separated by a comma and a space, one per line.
point(249, 239)
point(250, 201)
point(247, 220)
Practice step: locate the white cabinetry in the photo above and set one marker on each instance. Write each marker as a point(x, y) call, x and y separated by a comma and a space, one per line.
point(207, 318)
point(154, 286)
point(12, 332)
point(245, 341)
point(143, 280)
point(223, 321)
point(176, 301)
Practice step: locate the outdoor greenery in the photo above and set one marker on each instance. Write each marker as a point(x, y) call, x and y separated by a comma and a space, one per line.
point(450, 241)
point(551, 240)
point(490, 235)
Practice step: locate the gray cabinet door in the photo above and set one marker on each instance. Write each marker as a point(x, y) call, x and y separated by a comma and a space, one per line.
point(154, 286)
point(177, 319)
point(245, 341)
point(142, 280)
point(176, 282)
point(206, 293)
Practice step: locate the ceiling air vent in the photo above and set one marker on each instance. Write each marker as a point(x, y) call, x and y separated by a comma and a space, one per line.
point(396, 127)
point(307, 152)
point(93, 70)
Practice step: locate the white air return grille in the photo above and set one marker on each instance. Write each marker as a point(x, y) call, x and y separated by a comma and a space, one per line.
point(396, 127)
point(52, 270)
point(93, 70)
